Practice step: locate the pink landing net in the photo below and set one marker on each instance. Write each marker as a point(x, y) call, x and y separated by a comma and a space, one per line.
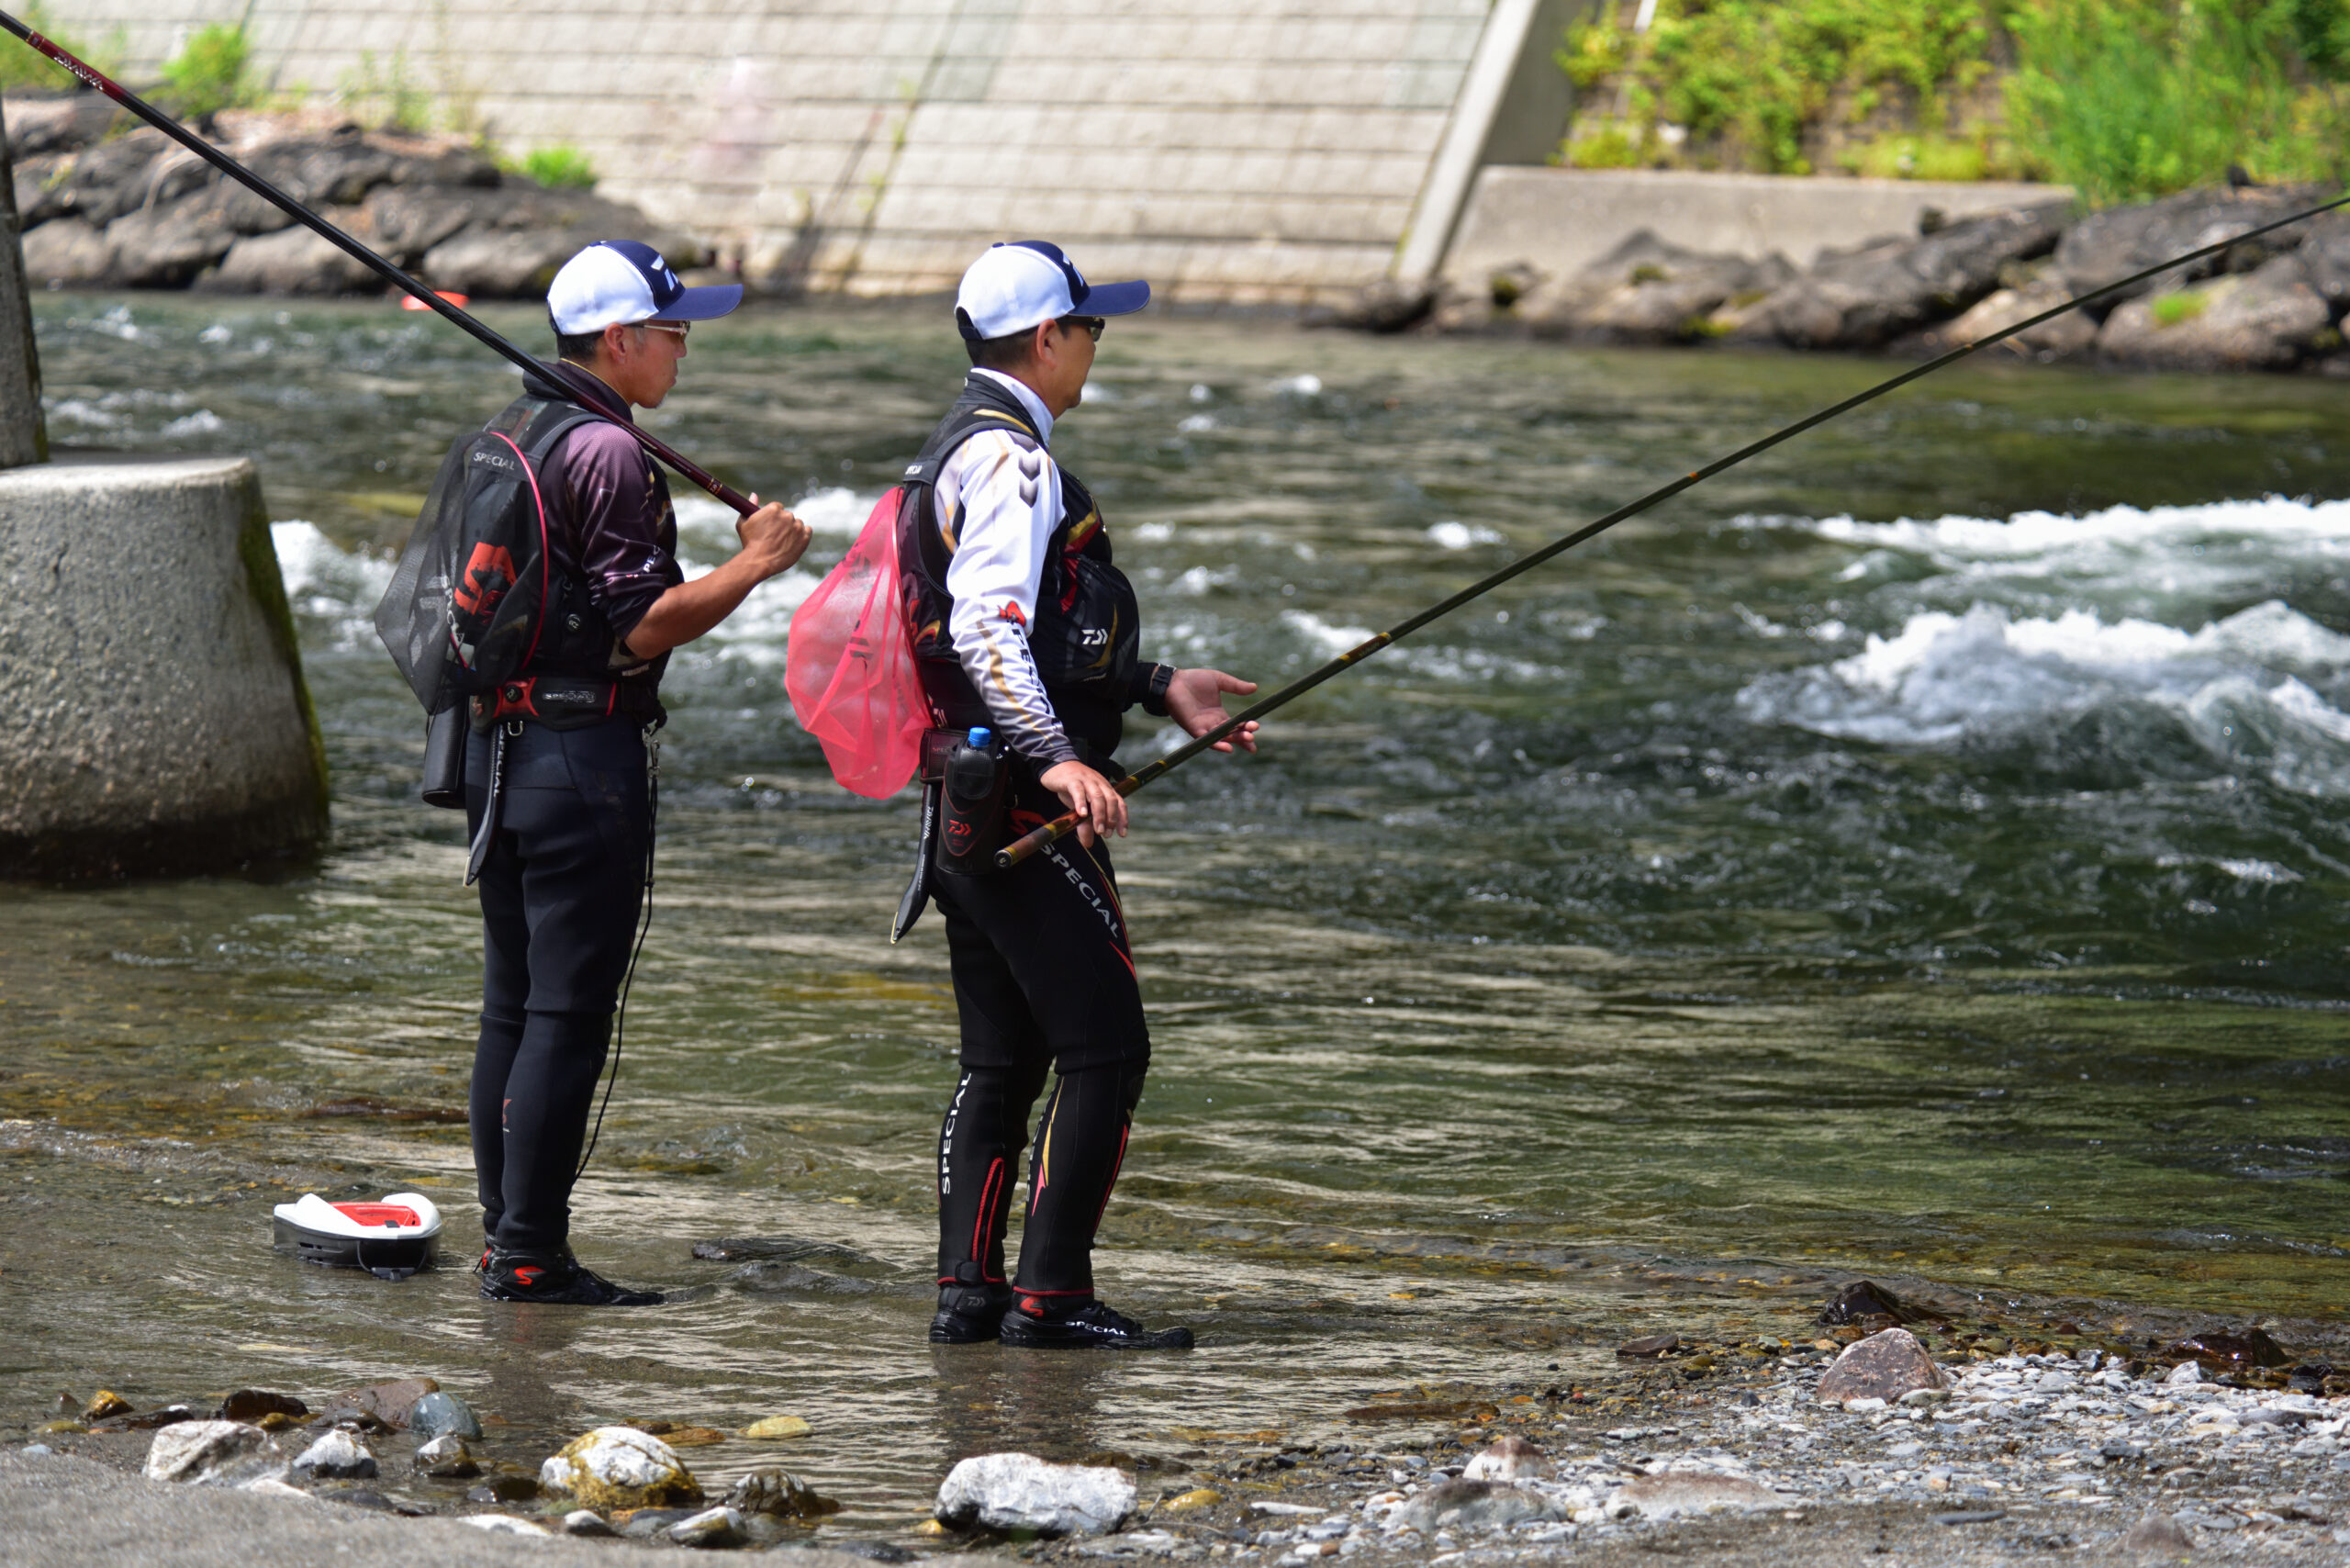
point(850, 667)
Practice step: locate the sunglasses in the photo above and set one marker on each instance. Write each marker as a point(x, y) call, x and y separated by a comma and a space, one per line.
point(678, 330)
point(1089, 325)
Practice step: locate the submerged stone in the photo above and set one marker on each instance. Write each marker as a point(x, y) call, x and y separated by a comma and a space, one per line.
point(440, 1412)
point(1864, 1299)
point(446, 1458)
point(1649, 1347)
point(780, 1493)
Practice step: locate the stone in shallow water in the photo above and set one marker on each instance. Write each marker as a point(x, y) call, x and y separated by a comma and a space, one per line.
point(505, 1489)
point(438, 1414)
point(780, 1493)
point(1688, 1492)
point(619, 1467)
point(390, 1402)
point(2233, 1351)
point(105, 1403)
point(446, 1458)
point(1883, 1366)
point(1020, 1491)
point(772, 1429)
point(1509, 1459)
point(587, 1521)
point(1864, 1299)
point(1649, 1347)
point(205, 1450)
point(336, 1453)
point(255, 1405)
point(713, 1528)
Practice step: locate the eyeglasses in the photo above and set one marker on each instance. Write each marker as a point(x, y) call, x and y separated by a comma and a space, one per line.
point(678, 329)
point(1089, 325)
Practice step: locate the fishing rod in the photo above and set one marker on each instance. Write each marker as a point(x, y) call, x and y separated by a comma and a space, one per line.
point(1062, 826)
point(590, 394)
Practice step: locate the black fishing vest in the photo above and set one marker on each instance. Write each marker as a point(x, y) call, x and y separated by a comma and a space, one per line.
point(571, 680)
point(1088, 637)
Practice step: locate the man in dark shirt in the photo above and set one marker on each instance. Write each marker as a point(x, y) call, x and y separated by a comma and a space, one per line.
point(556, 772)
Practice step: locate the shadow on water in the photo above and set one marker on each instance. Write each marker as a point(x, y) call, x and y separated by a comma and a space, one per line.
point(1845, 869)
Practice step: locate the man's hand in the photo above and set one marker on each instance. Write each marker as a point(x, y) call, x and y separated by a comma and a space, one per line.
point(1195, 701)
point(1098, 808)
point(772, 537)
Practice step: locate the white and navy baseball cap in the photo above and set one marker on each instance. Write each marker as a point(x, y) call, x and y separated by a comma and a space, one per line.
point(1020, 284)
point(617, 283)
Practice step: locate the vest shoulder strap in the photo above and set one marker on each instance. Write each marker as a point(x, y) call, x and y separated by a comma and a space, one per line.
point(960, 425)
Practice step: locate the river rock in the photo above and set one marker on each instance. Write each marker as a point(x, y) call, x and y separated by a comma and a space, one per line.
point(390, 1402)
point(254, 1404)
point(780, 1493)
point(2157, 1531)
point(60, 123)
point(1470, 1505)
point(291, 262)
point(1507, 1458)
point(206, 1451)
point(2235, 1349)
point(1867, 297)
point(718, 1526)
point(159, 248)
point(505, 1489)
point(1020, 1491)
point(1647, 290)
point(503, 1524)
point(1861, 1300)
point(441, 1414)
point(67, 254)
point(100, 184)
point(106, 1402)
point(2269, 320)
point(338, 1454)
point(2185, 1373)
point(619, 1467)
point(1687, 1492)
point(774, 1428)
point(2066, 337)
point(1883, 1366)
point(2109, 245)
point(587, 1522)
point(1386, 306)
point(446, 1458)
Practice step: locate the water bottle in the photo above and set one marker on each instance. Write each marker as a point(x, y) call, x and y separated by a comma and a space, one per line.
point(971, 808)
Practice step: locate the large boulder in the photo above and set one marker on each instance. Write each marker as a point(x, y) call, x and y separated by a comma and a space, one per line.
point(619, 1467)
point(163, 247)
point(2325, 257)
point(1648, 291)
point(1020, 1491)
point(100, 184)
point(57, 122)
point(406, 221)
point(2110, 246)
point(67, 254)
point(2270, 320)
point(158, 719)
point(1866, 299)
point(2066, 337)
point(292, 260)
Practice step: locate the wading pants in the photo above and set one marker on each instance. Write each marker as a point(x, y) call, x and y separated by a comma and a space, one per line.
point(559, 895)
point(1044, 983)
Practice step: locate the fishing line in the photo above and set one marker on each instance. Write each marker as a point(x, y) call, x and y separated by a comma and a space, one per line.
point(590, 392)
point(1061, 827)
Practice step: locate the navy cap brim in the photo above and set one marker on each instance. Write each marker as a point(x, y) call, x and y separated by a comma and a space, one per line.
point(1113, 299)
point(704, 304)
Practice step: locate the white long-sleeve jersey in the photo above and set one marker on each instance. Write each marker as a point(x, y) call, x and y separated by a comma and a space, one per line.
point(997, 503)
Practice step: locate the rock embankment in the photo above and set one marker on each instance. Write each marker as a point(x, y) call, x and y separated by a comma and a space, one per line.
point(107, 203)
point(2272, 302)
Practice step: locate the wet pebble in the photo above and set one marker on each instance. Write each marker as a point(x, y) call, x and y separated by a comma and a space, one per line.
point(711, 1529)
point(587, 1522)
point(440, 1414)
point(446, 1458)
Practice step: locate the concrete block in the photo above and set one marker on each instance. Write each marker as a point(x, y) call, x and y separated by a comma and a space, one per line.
point(158, 722)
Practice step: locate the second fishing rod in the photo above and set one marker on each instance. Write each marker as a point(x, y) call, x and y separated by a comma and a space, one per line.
point(1062, 826)
point(592, 396)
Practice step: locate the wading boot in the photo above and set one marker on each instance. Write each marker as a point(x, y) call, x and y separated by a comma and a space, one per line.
point(1087, 1326)
point(556, 1279)
point(968, 1314)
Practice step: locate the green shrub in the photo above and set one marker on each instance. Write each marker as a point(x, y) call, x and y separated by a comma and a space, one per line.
point(383, 98)
point(210, 72)
point(20, 67)
point(2129, 99)
point(560, 165)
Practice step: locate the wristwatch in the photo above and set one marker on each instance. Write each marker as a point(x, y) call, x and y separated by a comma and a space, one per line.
point(1154, 697)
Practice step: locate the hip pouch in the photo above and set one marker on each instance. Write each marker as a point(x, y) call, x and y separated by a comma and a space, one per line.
point(973, 776)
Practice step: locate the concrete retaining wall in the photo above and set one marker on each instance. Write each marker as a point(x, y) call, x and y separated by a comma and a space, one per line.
point(1562, 219)
point(156, 720)
point(1224, 148)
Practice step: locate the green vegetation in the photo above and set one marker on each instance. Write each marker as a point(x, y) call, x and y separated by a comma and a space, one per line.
point(2122, 99)
point(560, 165)
point(210, 72)
point(2135, 99)
point(383, 98)
point(2184, 305)
point(20, 67)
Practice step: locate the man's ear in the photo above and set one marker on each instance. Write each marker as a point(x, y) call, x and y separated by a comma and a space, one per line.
point(616, 343)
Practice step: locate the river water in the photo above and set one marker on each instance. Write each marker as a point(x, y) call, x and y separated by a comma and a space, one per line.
point(1918, 852)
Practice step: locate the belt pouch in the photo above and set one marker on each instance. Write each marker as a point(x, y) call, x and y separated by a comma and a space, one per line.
point(444, 760)
point(972, 804)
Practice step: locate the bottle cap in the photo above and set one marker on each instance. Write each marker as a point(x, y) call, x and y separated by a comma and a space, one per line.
point(981, 734)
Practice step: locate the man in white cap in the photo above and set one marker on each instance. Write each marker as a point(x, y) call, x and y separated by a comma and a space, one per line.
point(568, 796)
point(1026, 639)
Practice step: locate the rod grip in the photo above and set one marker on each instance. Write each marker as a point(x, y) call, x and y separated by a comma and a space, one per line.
point(1028, 843)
